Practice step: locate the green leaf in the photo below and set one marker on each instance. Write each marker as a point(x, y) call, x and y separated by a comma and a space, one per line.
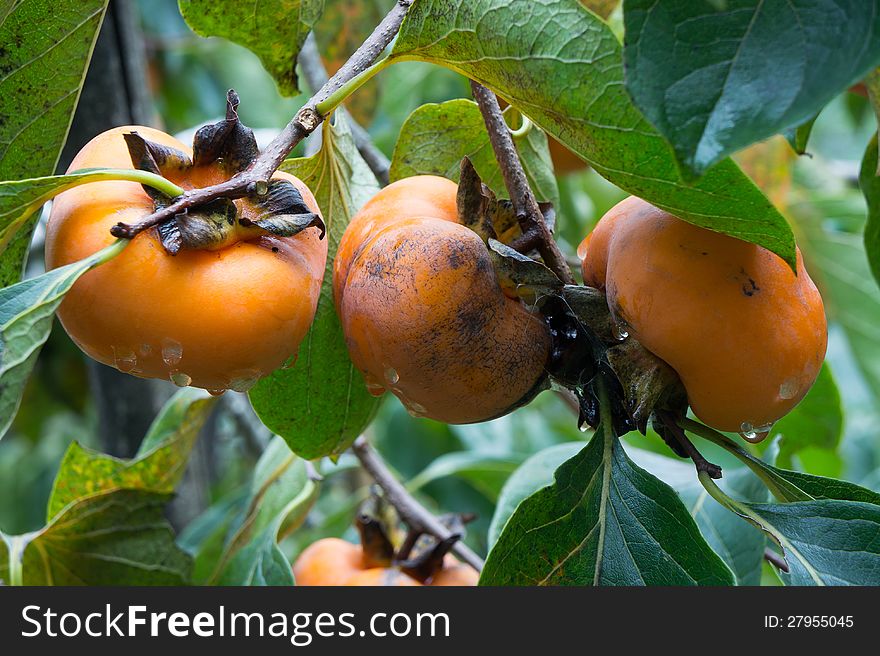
point(739, 545)
point(531, 476)
point(824, 542)
point(604, 521)
point(817, 421)
point(436, 137)
point(714, 78)
point(41, 74)
point(485, 472)
point(563, 67)
point(204, 538)
point(281, 495)
point(788, 486)
point(321, 404)
point(158, 466)
point(799, 136)
point(112, 538)
point(869, 181)
point(274, 31)
point(26, 312)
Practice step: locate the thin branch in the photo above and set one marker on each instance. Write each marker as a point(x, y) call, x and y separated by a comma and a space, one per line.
point(305, 122)
point(525, 204)
point(775, 559)
point(416, 516)
point(700, 462)
point(316, 77)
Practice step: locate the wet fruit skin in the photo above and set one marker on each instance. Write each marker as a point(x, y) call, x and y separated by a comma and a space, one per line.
point(423, 313)
point(218, 318)
point(745, 335)
point(335, 562)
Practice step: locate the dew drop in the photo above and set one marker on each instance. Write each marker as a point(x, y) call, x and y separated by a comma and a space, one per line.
point(391, 376)
point(180, 379)
point(754, 434)
point(620, 330)
point(172, 352)
point(789, 389)
point(583, 428)
point(374, 385)
point(124, 359)
point(415, 409)
point(261, 187)
point(217, 392)
point(582, 251)
point(243, 381)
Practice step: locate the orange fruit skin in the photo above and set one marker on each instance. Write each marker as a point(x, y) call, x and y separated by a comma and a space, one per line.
point(564, 160)
point(221, 318)
point(335, 562)
point(423, 313)
point(745, 335)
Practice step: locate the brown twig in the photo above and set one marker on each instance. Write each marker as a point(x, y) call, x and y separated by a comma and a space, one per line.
point(316, 76)
point(700, 462)
point(416, 516)
point(529, 215)
point(305, 122)
point(775, 559)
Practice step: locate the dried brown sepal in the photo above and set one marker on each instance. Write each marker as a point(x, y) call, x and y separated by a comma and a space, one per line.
point(590, 307)
point(229, 141)
point(156, 158)
point(520, 276)
point(377, 546)
point(648, 383)
point(473, 200)
point(282, 211)
point(423, 565)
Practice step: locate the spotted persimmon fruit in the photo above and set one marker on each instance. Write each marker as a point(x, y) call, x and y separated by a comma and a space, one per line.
point(423, 312)
point(335, 562)
point(217, 317)
point(746, 335)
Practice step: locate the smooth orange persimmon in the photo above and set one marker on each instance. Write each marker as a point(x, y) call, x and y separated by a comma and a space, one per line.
point(215, 319)
point(335, 562)
point(423, 313)
point(746, 336)
point(564, 160)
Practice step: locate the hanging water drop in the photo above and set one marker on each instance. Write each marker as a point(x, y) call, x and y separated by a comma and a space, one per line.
point(754, 434)
point(243, 381)
point(415, 409)
point(172, 352)
point(124, 359)
point(217, 392)
point(180, 379)
point(391, 376)
point(620, 330)
point(374, 386)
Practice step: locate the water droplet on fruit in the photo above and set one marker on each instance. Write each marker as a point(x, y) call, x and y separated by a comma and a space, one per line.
point(583, 428)
point(582, 251)
point(180, 379)
point(789, 389)
point(243, 381)
point(754, 434)
point(391, 376)
point(124, 359)
point(261, 187)
point(172, 352)
point(620, 330)
point(217, 392)
point(415, 409)
point(374, 385)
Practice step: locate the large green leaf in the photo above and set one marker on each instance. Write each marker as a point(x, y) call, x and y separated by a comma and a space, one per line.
point(817, 421)
point(436, 137)
point(112, 538)
point(41, 73)
point(716, 77)
point(26, 312)
point(824, 542)
point(281, 495)
point(869, 180)
point(604, 521)
point(274, 31)
point(485, 472)
point(563, 67)
point(321, 404)
point(158, 466)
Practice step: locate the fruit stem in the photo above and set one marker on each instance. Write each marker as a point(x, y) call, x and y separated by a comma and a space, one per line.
point(336, 98)
point(525, 204)
point(700, 462)
point(306, 121)
point(416, 516)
